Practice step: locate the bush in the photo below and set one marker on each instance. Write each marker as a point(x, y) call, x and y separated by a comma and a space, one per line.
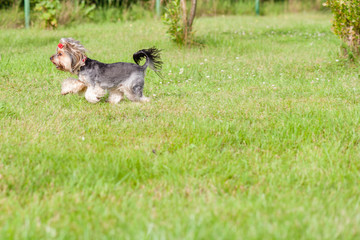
point(346, 23)
point(75, 12)
point(52, 12)
point(180, 21)
point(172, 18)
point(48, 10)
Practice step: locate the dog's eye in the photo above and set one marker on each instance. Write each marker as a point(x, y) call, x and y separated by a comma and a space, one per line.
point(59, 54)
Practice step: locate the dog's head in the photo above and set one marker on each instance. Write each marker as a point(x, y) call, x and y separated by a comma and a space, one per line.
point(70, 55)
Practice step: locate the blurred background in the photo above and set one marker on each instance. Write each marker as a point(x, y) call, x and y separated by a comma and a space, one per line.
point(55, 13)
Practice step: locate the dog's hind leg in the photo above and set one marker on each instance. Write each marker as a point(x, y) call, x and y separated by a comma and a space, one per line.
point(135, 94)
point(94, 94)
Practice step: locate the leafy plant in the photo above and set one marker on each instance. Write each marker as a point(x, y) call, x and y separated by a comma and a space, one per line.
point(75, 12)
point(172, 18)
point(48, 10)
point(180, 21)
point(86, 11)
point(346, 23)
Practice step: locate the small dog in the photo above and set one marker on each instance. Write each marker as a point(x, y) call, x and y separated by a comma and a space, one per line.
point(97, 78)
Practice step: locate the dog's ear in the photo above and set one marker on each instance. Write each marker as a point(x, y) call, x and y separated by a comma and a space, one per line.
point(65, 44)
point(72, 45)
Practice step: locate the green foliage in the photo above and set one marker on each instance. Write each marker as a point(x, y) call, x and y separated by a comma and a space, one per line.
point(178, 31)
point(172, 18)
point(346, 23)
point(134, 12)
point(78, 12)
point(12, 18)
point(87, 11)
point(48, 10)
point(114, 3)
point(52, 13)
point(4, 4)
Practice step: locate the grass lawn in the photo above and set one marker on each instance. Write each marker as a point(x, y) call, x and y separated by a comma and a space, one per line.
point(255, 135)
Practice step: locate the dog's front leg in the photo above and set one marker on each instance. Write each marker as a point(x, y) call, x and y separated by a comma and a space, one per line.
point(94, 94)
point(72, 85)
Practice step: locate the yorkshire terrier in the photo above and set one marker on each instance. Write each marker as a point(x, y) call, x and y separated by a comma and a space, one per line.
point(97, 78)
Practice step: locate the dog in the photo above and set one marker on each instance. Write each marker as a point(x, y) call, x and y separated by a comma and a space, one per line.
point(97, 79)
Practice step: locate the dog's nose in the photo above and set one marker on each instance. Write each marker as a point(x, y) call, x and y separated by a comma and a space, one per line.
point(51, 58)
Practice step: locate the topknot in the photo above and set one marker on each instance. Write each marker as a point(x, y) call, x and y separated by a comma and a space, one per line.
point(74, 44)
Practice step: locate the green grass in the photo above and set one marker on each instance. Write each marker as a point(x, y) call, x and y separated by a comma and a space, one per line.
point(258, 138)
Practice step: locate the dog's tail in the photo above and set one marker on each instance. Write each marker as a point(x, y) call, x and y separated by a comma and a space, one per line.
point(153, 59)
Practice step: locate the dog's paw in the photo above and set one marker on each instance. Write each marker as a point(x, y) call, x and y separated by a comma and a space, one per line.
point(144, 99)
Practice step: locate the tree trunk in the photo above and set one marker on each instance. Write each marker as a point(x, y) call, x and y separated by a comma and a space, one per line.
point(192, 14)
point(152, 5)
point(184, 18)
point(187, 19)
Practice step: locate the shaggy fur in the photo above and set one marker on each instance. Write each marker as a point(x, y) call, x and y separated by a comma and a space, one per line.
point(97, 78)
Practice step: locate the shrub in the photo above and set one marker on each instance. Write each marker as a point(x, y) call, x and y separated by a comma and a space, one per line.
point(48, 10)
point(172, 18)
point(52, 12)
point(346, 23)
point(75, 12)
point(180, 21)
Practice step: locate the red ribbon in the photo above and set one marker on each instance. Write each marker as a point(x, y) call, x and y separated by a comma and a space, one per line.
point(60, 46)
